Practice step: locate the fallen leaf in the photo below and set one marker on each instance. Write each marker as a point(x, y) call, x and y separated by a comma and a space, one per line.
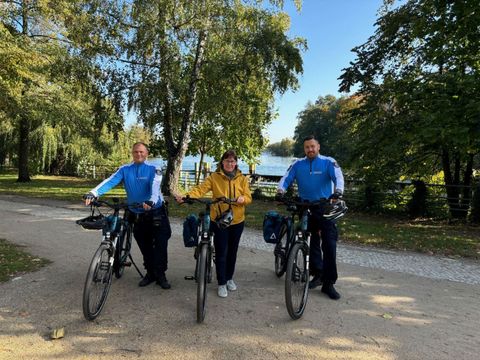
point(57, 333)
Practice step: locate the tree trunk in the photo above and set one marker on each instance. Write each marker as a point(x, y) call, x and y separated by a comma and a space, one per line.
point(200, 165)
point(177, 153)
point(467, 185)
point(24, 122)
point(23, 149)
point(452, 185)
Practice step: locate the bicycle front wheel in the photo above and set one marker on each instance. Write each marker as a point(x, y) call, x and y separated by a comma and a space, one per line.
point(122, 252)
point(202, 282)
point(296, 281)
point(97, 283)
point(281, 251)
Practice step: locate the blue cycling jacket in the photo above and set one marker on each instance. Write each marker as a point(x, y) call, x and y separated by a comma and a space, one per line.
point(141, 182)
point(316, 179)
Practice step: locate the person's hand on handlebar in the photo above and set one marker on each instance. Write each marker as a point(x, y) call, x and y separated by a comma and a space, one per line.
point(335, 196)
point(89, 198)
point(280, 194)
point(147, 205)
point(241, 199)
point(178, 198)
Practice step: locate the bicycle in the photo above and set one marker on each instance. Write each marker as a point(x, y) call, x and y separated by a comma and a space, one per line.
point(204, 252)
point(292, 254)
point(112, 255)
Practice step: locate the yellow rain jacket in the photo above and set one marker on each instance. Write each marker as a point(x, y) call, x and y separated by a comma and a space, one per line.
point(222, 186)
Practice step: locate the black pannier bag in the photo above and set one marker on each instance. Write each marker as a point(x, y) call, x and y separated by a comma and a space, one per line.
point(272, 222)
point(190, 230)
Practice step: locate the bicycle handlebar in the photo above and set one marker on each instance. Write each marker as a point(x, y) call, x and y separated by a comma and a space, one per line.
point(223, 199)
point(115, 205)
point(299, 202)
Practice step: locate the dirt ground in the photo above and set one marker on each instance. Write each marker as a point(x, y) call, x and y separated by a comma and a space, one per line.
point(381, 315)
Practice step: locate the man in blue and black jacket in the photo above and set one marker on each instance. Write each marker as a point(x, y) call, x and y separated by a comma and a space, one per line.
point(141, 181)
point(318, 177)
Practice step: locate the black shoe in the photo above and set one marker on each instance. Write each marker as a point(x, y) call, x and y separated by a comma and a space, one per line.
point(147, 280)
point(315, 282)
point(163, 282)
point(330, 291)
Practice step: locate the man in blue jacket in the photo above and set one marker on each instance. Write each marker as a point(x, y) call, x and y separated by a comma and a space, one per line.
point(318, 177)
point(141, 181)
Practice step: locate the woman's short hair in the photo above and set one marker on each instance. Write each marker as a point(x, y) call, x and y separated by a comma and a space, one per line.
point(228, 154)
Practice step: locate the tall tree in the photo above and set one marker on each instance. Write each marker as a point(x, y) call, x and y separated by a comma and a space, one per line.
point(418, 78)
point(173, 57)
point(326, 120)
point(47, 92)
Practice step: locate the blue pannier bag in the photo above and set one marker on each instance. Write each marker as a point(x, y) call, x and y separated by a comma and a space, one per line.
point(190, 230)
point(272, 222)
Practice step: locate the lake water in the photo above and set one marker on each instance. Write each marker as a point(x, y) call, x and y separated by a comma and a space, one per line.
point(269, 164)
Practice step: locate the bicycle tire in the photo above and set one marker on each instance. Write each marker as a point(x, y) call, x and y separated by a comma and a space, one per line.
point(122, 252)
point(281, 251)
point(97, 283)
point(202, 283)
point(296, 281)
point(197, 262)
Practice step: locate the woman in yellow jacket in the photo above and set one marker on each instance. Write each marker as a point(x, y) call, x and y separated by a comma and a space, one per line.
point(228, 182)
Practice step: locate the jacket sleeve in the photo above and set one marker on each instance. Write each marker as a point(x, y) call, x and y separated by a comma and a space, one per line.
point(288, 178)
point(246, 191)
point(201, 189)
point(108, 184)
point(336, 175)
point(156, 196)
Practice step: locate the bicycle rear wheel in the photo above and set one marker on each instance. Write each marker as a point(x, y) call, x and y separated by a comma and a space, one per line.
point(97, 283)
point(122, 252)
point(281, 251)
point(202, 282)
point(296, 281)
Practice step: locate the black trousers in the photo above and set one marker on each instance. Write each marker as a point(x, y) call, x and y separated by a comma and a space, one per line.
point(152, 231)
point(226, 248)
point(326, 264)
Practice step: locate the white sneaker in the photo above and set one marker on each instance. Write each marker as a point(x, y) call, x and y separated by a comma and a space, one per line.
point(222, 291)
point(231, 285)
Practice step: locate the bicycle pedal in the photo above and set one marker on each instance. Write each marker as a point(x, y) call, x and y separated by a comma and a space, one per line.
point(189, 277)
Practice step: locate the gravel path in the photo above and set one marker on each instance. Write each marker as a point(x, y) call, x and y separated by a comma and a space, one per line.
point(395, 305)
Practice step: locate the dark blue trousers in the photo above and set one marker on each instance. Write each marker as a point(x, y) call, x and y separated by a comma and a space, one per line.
point(226, 246)
point(326, 264)
point(152, 231)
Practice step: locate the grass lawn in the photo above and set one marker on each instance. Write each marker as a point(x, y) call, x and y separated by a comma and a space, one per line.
point(356, 228)
point(14, 261)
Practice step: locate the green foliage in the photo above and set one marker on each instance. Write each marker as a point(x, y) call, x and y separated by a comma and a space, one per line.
point(282, 148)
point(51, 106)
point(198, 74)
point(326, 121)
point(418, 80)
point(15, 261)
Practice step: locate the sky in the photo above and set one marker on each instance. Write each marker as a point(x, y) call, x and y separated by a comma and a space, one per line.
point(332, 28)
